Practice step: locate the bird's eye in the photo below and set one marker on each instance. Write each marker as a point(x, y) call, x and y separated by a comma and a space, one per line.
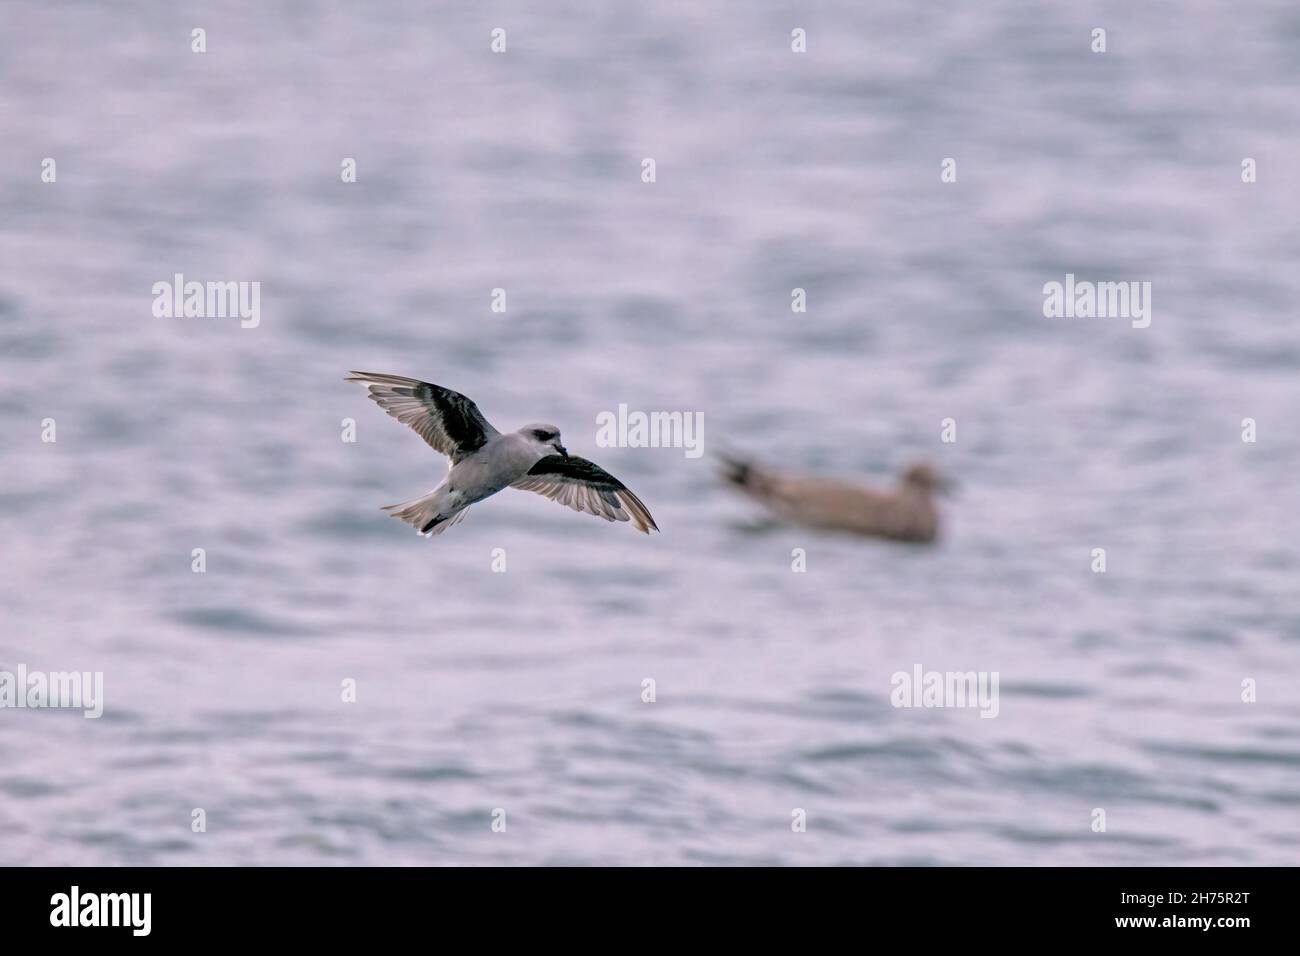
point(541, 435)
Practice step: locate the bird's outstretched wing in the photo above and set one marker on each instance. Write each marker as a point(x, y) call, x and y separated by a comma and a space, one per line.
point(447, 420)
point(584, 486)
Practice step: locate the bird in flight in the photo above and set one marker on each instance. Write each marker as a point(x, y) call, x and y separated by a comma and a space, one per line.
point(905, 513)
point(483, 460)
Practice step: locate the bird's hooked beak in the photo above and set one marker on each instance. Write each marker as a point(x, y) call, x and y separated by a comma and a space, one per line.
point(560, 449)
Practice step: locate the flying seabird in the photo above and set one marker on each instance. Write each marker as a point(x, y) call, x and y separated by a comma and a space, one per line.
point(907, 513)
point(483, 460)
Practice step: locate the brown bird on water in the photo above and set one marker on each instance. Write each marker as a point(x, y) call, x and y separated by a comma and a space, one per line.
point(907, 513)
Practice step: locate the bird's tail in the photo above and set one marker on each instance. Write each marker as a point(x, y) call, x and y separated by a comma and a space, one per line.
point(743, 473)
point(425, 514)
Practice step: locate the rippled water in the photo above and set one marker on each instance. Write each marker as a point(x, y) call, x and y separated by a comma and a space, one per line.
point(522, 690)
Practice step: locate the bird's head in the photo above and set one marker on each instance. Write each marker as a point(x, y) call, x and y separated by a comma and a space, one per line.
point(924, 477)
point(546, 438)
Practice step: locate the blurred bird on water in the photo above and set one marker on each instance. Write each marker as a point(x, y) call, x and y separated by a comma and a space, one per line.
point(905, 513)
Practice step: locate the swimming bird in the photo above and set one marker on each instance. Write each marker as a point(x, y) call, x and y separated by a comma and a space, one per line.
point(906, 513)
point(483, 460)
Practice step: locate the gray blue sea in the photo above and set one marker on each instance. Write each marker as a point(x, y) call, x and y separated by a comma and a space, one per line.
point(521, 691)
